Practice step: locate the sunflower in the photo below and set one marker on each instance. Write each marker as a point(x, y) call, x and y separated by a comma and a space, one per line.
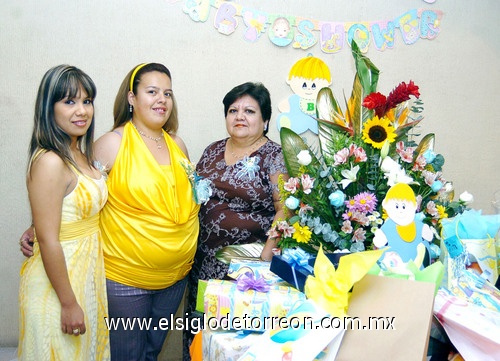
point(377, 131)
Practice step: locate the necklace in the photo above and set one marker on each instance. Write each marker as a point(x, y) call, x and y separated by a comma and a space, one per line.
point(253, 147)
point(157, 140)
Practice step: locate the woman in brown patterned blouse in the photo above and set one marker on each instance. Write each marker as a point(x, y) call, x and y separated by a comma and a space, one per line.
point(244, 170)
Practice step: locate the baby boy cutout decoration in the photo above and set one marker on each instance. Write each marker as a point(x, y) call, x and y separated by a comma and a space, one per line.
point(403, 231)
point(306, 78)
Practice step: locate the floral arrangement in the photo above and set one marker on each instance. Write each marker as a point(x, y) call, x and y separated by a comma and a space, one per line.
point(333, 195)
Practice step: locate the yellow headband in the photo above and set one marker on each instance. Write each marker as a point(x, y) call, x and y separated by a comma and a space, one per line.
point(132, 77)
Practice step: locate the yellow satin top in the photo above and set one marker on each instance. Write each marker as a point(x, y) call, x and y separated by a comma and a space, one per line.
point(150, 222)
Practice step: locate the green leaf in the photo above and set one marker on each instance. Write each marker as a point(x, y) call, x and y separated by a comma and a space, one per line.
point(366, 70)
point(425, 144)
point(326, 105)
point(365, 83)
point(250, 251)
point(357, 101)
point(326, 108)
point(291, 145)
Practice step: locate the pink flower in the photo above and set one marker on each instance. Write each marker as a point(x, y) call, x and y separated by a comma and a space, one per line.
point(359, 235)
point(273, 233)
point(291, 185)
point(304, 208)
point(359, 155)
point(341, 156)
point(307, 183)
point(360, 217)
point(365, 202)
point(346, 227)
point(405, 154)
point(429, 177)
point(431, 209)
point(346, 215)
point(419, 202)
point(287, 230)
point(420, 163)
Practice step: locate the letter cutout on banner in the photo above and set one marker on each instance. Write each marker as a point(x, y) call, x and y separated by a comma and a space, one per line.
point(225, 20)
point(305, 38)
point(408, 23)
point(383, 35)
point(360, 34)
point(255, 22)
point(281, 30)
point(198, 10)
point(429, 24)
point(332, 37)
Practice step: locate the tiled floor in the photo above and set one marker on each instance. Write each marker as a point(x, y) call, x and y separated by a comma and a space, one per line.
point(8, 353)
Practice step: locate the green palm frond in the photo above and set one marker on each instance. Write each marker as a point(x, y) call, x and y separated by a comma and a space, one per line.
point(356, 101)
point(291, 145)
point(250, 251)
point(365, 82)
point(365, 70)
point(330, 120)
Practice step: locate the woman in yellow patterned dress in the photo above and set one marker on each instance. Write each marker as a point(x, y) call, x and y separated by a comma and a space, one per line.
point(62, 292)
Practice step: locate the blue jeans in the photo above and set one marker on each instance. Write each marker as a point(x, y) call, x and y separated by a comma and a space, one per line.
point(129, 306)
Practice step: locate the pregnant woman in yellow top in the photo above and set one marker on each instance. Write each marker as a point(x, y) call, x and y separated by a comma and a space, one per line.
point(150, 222)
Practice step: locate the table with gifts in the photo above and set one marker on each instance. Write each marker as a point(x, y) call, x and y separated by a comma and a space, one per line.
point(277, 310)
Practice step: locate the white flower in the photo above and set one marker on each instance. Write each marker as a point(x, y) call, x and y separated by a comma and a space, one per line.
point(398, 176)
point(448, 187)
point(389, 165)
point(304, 157)
point(466, 197)
point(350, 176)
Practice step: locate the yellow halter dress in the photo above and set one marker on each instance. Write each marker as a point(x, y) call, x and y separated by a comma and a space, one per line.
point(40, 337)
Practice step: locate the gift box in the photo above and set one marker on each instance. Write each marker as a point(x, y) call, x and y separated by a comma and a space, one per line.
point(295, 268)
point(224, 345)
point(473, 330)
point(200, 302)
point(247, 310)
point(302, 335)
point(257, 269)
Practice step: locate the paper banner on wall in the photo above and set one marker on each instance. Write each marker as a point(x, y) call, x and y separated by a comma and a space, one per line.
point(303, 33)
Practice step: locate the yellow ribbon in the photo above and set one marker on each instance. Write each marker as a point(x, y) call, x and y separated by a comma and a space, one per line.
point(330, 290)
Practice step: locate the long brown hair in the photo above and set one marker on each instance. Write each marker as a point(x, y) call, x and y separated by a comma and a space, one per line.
point(58, 83)
point(121, 109)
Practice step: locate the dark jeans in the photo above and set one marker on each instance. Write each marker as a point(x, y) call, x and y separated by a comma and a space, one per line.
point(137, 334)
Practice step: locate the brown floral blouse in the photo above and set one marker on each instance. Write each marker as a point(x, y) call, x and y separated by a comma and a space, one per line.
point(240, 210)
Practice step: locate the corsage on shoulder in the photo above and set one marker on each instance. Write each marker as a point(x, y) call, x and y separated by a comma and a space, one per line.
point(202, 187)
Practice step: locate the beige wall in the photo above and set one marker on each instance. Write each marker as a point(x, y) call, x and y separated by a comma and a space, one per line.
point(457, 73)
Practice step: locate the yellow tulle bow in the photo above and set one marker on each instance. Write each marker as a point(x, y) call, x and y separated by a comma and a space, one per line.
point(330, 288)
